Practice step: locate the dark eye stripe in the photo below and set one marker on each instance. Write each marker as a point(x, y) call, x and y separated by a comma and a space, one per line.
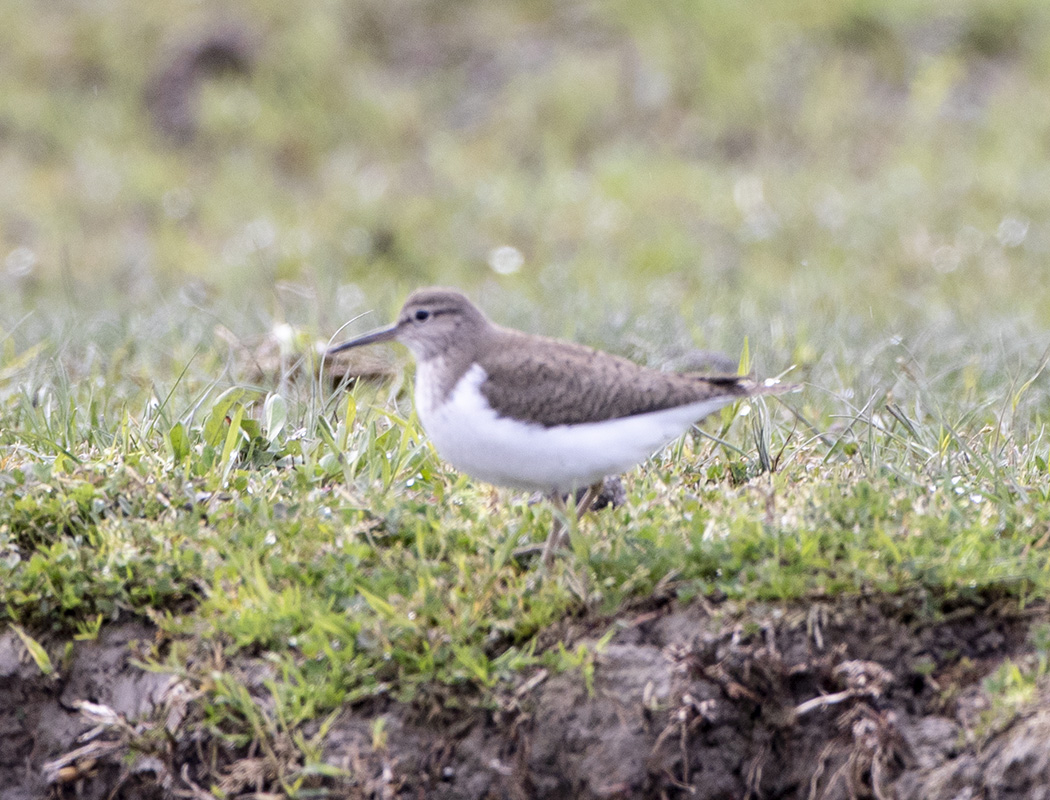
point(423, 314)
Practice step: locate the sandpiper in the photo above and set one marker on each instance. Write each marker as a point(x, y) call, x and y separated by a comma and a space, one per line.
point(535, 413)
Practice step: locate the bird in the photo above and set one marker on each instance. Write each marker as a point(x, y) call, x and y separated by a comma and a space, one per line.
point(531, 412)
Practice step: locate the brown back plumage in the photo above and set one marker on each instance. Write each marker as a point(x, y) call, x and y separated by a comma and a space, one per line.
point(553, 382)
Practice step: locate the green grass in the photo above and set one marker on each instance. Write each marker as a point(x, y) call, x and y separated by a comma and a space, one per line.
point(850, 190)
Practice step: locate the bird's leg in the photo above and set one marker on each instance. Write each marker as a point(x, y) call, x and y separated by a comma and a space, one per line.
point(559, 528)
point(586, 500)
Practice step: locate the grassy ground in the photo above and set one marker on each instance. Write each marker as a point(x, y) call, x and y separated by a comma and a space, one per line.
point(855, 191)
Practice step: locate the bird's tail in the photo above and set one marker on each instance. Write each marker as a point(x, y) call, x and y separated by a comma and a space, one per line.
point(768, 386)
point(749, 387)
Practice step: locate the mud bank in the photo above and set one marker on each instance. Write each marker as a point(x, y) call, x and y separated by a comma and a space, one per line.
point(858, 699)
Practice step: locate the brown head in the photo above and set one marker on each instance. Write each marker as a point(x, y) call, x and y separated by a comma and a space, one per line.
point(430, 321)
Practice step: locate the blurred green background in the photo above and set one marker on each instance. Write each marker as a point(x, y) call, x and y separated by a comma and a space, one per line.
point(851, 185)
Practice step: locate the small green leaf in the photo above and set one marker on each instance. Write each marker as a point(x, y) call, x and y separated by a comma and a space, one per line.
point(87, 630)
point(350, 411)
point(232, 436)
point(379, 605)
point(36, 650)
point(252, 428)
point(215, 425)
point(179, 441)
point(275, 415)
point(324, 430)
point(744, 368)
point(475, 662)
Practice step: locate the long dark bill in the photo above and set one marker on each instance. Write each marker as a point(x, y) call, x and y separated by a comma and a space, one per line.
point(386, 334)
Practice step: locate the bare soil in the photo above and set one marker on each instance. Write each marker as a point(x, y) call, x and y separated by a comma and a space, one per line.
point(876, 698)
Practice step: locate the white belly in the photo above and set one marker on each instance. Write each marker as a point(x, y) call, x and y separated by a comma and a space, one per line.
point(471, 437)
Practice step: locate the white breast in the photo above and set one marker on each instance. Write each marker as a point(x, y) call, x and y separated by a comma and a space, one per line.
point(474, 439)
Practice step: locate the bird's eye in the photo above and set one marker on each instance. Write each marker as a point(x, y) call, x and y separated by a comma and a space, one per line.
point(422, 315)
